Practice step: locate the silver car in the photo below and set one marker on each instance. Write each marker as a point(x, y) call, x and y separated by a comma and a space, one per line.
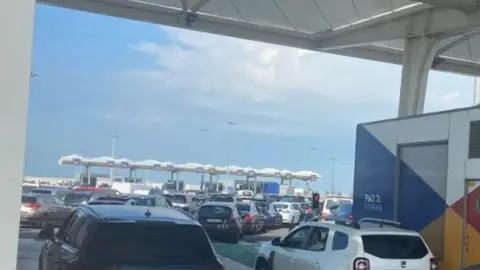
point(38, 208)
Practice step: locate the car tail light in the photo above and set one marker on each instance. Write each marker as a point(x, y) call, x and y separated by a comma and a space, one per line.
point(361, 264)
point(248, 217)
point(350, 216)
point(433, 264)
point(32, 205)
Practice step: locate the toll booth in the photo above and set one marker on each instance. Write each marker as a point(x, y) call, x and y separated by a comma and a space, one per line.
point(424, 171)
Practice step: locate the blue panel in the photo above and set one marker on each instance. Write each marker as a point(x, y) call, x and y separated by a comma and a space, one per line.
point(374, 177)
point(419, 204)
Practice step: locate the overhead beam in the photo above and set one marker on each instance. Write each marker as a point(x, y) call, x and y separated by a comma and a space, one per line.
point(429, 21)
point(210, 24)
point(458, 5)
point(395, 56)
point(157, 14)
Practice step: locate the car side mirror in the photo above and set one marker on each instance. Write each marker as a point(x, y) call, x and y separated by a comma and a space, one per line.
point(277, 241)
point(46, 233)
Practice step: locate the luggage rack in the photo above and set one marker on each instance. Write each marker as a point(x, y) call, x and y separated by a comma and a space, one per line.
point(365, 223)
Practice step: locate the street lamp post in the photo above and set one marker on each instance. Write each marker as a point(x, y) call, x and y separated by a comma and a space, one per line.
point(313, 149)
point(112, 169)
point(332, 187)
point(202, 184)
point(229, 123)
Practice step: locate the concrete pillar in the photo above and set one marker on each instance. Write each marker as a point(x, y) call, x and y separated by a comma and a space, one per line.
point(476, 95)
point(418, 57)
point(16, 31)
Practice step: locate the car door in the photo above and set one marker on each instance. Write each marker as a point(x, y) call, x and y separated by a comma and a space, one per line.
point(52, 249)
point(71, 242)
point(317, 251)
point(296, 212)
point(286, 255)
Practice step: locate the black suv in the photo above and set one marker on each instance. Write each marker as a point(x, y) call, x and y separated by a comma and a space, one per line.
point(104, 237)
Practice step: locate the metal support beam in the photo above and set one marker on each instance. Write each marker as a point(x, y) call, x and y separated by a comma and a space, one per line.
point(398, 25)
point(419, 55)
point(458, 5)
point(16, 30)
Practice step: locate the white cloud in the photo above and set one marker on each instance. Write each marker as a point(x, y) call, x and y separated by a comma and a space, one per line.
point(260, 82)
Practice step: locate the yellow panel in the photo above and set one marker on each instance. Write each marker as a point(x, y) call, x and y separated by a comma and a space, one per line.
point(452, 257)
point(434, 235)
point(473, 255)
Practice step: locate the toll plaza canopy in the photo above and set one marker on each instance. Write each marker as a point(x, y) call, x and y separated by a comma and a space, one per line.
point(421, 35)
point(187, 167)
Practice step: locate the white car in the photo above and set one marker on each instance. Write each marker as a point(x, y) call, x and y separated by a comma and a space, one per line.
point(362, 245)
point(290, 212)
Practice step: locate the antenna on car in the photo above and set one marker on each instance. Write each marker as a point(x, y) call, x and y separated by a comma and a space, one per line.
point(148, 214)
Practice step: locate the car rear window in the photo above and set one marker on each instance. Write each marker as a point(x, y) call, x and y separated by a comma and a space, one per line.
point(76, 198)
point(247, 193)
point(241, 207)
point(147, 201)
point(41, 191)
point(29, 199)
point(150, 243)
point(107, 198)
point(213, 211)
point(395, 246)
point(344, 208)
point(281, 206)
point(176, 198)
point(222, 198)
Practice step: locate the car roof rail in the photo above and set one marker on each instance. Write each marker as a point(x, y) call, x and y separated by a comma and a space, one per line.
point(343, 222)
point(381, 222)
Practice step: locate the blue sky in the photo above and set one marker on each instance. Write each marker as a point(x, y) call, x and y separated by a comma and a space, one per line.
point(157, 87)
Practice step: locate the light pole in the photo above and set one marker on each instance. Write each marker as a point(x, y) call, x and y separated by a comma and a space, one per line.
point(202, 184)
point(112, 169)
point(313, 149)
point(229, 123)
point(332, 187)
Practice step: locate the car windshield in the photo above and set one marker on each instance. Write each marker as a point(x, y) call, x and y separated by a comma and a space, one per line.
point(174, 198)
point(151, 244)
point(242, 207)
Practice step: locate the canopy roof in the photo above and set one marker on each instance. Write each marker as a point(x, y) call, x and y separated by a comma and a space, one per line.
point(187, 167)
point(369, 29)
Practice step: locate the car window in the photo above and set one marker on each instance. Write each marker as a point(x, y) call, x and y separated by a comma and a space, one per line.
point(340, 241)
point(29, 199)
point(298, 238)
point(73, 228)
point(295, 206)
point(400, 247)
point(67, 224)
point(174, 198)
point(48, 199)
point(58, 201)
point(158, 245)
point(318, 239)
point(82, 231)
point(280, 206)
point(344, 208)
point(41, 191)
point(214, 211)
